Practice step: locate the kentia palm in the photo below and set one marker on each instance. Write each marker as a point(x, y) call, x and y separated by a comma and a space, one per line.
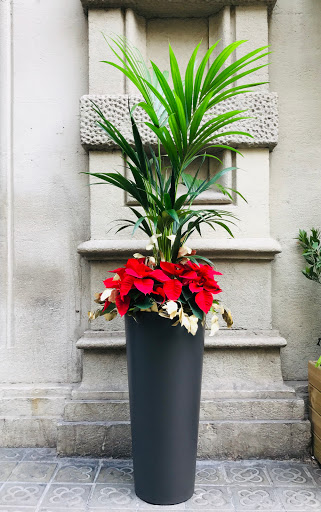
point(165, 363)
point(186, 128)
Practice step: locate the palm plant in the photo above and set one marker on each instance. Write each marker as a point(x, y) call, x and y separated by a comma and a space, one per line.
point(186, 127)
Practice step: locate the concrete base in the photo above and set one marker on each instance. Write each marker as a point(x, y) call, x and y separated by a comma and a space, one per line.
point(280, 439)
point(246, 409)
point(29, 414)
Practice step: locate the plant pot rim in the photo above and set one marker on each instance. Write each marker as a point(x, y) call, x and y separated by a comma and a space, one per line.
point(314, 363)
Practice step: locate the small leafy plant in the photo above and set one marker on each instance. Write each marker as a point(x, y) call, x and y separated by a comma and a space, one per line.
point(311, 245)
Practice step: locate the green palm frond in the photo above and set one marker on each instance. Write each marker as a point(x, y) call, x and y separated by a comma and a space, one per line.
point(186, 126)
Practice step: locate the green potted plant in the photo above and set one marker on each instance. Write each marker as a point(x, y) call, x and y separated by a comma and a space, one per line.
point(166, 294)
point(311, 244)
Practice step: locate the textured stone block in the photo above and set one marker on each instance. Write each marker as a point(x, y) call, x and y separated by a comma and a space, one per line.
point(261, 106)
point(29, 415)
point(259, 439)
point(28, 432)
point(220, 409)
point(107, 439)
point(217, 439)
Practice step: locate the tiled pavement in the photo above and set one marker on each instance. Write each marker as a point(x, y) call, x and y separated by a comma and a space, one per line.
point(36, 480)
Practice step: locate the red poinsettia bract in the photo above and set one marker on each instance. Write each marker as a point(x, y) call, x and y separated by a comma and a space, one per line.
point(165, 283)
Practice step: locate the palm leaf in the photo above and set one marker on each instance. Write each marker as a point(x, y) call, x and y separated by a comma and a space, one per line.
point(186, 129)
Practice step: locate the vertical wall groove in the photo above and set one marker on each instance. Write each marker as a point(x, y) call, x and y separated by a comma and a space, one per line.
point(6, 172)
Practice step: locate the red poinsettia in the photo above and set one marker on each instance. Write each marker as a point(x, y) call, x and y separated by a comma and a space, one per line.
point(161, 284)
point(204, 286)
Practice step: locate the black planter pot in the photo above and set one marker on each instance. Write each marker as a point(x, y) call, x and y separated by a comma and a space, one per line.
point(164, 375)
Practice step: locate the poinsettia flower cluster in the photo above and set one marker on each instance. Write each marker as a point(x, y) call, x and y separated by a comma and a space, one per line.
point(186, 290)
point(164, 283)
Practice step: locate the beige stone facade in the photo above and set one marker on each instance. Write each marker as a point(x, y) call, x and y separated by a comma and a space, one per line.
point(62, 380)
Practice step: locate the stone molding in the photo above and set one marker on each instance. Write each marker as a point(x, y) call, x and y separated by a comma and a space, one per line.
point(173, 8)
point(29, 413)
point(261, 106)
point(103, 340)
point(235, 249)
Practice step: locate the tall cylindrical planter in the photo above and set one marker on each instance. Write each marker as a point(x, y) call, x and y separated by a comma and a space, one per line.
point(164, 375)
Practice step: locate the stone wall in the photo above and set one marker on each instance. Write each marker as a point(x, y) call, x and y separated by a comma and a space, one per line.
point(295, 75)
point(47, 209)
point(44, 213)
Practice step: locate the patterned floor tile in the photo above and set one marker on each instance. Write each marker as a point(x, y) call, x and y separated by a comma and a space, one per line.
point(107, 509)
point(290, 474)
point(210, 498)
point(117, 462)
point(76, 473)
point(113, 497)
point(78, 460)
point(39, 454)
point(54, 509)
point(256, 498)
point(118, 474)
point(316, 474)
point(40, 472)
point(6, 469)
point(144, 506)
point(300, 499)
point(247, 474)
point(85, 484)
point(73, 496)
point(11, 454)
point(210, 474)
point(21, 494)
point(17, 509)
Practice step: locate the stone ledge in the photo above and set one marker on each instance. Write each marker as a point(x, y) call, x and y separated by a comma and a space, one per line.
point(102, 340)
point(262, 106)
point(34, 391)
point(235, 249)
point(218, 409)
point(275, 391)
point(173, 8)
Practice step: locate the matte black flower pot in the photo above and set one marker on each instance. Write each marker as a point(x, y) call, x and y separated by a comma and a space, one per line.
point(164, 375)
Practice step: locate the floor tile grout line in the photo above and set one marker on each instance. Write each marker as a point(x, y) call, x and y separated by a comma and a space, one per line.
point(90, 495)
point(310, 475)
point(47, 487)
